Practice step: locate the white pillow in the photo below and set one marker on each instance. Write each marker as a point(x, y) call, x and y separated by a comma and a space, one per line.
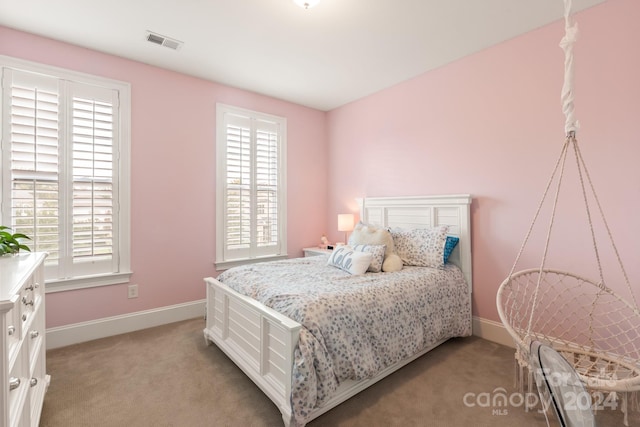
point(349, 260)
point(423, 247)
point(377, 255)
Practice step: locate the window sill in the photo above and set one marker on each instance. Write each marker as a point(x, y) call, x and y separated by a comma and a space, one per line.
point(86, 282)
point(225, 265)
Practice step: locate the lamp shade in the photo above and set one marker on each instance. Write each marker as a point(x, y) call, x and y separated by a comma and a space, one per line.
point(345, 222)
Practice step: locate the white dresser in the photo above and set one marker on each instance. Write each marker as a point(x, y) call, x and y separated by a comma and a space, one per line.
point(22, 366)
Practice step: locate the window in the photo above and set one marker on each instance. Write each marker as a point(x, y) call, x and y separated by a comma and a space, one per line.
point(65, 180)
point(251, 194)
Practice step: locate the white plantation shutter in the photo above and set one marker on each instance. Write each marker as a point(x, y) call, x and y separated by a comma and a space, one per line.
point(251, 194)
point(238, 188)
point(267, 184)
point(93, 172)
point(34, 146)
point(60, 150)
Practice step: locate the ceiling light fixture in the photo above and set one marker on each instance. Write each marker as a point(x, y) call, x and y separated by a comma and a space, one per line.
point(306, 3)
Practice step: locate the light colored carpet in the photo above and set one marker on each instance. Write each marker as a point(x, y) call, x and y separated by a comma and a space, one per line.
point(167, 376)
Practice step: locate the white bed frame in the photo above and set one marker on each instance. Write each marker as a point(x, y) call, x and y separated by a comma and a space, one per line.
point(261, 341)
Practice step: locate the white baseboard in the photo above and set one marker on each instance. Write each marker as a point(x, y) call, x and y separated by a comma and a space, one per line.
point(86, 331)
point(492, 331)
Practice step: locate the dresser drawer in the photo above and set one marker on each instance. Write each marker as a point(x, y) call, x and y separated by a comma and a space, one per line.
point(34, 336)
point(27, 302)
point(38, 385)
point(37, 282)
point(18, 387)
point(23, 379)
point(13, 331)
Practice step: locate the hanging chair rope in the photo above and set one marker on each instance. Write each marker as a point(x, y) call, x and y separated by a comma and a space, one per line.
point(535, 217)
point(594, 328)
point(548, 238)
point(570, 35)
point(580, 161)
point(571, 126)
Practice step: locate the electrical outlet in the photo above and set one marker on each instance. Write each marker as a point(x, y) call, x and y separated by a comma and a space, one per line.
point(133, 291)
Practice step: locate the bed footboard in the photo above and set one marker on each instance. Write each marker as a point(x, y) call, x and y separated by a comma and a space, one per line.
point(258, 339)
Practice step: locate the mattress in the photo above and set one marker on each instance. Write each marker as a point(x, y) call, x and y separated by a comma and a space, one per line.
point(354, 326)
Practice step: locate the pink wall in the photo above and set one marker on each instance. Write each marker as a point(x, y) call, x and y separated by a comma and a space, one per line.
point(491, 125)
point(173, 177)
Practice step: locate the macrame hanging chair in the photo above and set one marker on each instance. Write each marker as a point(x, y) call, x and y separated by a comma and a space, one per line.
point(593, 327)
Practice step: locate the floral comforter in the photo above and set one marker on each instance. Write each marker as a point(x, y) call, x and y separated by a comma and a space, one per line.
point(354, 326)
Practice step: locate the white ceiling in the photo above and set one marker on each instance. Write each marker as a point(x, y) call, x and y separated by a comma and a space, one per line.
point(323, 57)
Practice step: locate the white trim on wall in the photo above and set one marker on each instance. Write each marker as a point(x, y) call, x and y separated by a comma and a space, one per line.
point(86, 331)
point(492, 331)
point(101, 328)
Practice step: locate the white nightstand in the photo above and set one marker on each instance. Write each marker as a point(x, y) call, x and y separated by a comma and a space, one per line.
point(316, 251)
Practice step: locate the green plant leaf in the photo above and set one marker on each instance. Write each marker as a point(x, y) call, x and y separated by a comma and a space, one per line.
point(21, 236)
point(9, 242)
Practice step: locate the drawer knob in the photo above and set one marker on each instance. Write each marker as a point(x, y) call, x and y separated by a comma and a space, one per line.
point(33, 382)
point(12, 330)
point(24, 301)
point(29, 288)
point(24, 317)
point(14, 383)
point(35, 334)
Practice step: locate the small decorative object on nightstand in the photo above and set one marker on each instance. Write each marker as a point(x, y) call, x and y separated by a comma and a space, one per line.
point(315, 251)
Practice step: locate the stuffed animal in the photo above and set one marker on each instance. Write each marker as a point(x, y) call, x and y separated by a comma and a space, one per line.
point(367, 234)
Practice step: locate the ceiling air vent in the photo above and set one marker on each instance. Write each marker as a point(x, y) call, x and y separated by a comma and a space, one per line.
point(163, 41)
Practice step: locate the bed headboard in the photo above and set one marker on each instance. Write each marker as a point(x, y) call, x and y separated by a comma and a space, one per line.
point(423, 212)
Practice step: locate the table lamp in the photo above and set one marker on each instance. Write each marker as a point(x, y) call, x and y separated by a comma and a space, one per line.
point(345, 223)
